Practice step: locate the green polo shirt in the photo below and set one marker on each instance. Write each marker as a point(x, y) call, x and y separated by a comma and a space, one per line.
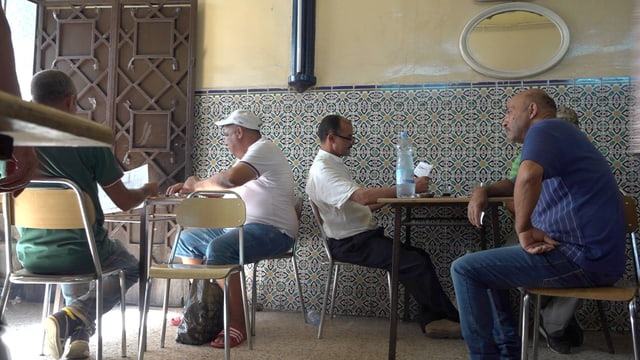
point(515, 165)
point(65, 251)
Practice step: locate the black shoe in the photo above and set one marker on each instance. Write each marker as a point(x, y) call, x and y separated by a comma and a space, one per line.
point(574, 334)
point(78, 345)
point(558, 344)
point(58, 327)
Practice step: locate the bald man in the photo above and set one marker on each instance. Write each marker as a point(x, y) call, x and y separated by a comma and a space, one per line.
point(568, 212)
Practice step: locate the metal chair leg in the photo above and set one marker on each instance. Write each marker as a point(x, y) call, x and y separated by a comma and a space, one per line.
point(243, 288)
point(254, 298)
point(536, 327)
point(633, 317)
point(297, 276)
point(99, 313)
point(325, 298)
point(46, 306)
point(524, 326)
point(123, 310)
point(142, 344)
point(336, 273)
point(406, 303)
point(165, 309)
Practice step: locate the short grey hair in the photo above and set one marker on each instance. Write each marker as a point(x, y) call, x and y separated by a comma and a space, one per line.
point(568, 114)
point(51, 86)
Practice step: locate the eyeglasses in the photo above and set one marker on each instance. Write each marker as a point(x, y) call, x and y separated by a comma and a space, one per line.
point(350, 139)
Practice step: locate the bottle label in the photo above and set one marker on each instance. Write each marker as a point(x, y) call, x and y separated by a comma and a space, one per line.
point(404, 176)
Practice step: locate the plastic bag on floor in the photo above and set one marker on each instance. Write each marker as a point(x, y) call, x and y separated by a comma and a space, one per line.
point(202, 317)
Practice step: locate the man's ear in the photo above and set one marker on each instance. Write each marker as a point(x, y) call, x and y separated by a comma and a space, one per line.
point(533, 110)
point(70, 103)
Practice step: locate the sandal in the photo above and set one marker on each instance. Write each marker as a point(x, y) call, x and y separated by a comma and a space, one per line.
point(235, 336)
point(175, 321)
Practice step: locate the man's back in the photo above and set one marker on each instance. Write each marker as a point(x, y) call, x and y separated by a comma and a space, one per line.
point(87, 167)
point(580, 204)
point(269, 198)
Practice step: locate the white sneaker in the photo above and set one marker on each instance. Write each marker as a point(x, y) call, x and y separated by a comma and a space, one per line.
point(78, 346)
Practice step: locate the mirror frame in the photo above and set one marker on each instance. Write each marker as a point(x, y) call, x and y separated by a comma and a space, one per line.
point(510, 74)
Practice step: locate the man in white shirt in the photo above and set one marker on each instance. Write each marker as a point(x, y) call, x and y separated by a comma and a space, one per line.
point(354, 237)
point(263, 178)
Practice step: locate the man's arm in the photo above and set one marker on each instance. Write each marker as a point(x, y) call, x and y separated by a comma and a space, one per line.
point(369, 197)
point(8, 77)
point(26, 159)
point(127, 199)
point(525, 197)
point(480, 199)
point(227, 179)
point(526, 193)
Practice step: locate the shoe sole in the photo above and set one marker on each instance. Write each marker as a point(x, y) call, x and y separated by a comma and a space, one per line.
point(78, 349)
point(52, 343)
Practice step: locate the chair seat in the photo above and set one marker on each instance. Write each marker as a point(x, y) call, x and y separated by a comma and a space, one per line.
point(27, 277)
point(24, 276)
point(188, 271)
point(619, 292)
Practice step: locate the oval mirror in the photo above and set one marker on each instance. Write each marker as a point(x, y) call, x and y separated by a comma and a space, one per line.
point(514, 40)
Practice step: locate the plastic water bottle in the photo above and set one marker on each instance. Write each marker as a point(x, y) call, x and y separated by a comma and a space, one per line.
point(405, 183)
point(313, 317)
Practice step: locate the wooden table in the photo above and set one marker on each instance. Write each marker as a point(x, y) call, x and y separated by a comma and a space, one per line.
point(398, 204)
point(31, 124)
point(146, 218)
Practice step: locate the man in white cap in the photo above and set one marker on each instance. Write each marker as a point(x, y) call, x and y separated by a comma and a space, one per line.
point(263, 178)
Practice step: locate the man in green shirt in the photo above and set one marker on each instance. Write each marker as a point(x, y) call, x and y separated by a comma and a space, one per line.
point(66, 251)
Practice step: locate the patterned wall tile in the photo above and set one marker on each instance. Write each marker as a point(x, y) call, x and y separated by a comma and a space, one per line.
point(457, 127)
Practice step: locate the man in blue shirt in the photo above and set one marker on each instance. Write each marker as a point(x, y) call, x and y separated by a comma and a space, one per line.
point(568, 213)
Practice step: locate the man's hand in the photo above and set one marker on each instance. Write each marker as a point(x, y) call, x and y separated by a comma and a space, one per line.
point(422, 184)
point(173, 189)
point(536, 241)
point(150, 189)
point(479, 201)
point(26, 164)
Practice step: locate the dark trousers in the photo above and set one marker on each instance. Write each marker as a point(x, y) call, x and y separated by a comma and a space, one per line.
point(373, 249)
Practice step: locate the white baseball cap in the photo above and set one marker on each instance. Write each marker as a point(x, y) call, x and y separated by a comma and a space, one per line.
point(243, 118)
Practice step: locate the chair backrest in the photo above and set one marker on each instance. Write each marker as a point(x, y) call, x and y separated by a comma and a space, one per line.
point(319, 223)
point(211, 209)
point(50, 208)
point(57, 204)
point(211, 212)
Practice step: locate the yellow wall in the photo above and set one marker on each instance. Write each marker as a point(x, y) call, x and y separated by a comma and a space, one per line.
point(246, 43)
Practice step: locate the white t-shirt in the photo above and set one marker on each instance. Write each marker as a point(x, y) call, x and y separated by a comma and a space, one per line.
point(270, 197)
point(329, 186)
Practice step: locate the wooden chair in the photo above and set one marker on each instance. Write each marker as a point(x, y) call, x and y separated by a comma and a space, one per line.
point(61, 204)
point(334, 268)
point(291, 254)
point(217, 209)
point(623, 291)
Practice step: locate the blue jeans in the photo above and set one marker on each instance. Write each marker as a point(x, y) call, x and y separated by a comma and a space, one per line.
point(81, 298)
point(481, 279)
point(220, 246)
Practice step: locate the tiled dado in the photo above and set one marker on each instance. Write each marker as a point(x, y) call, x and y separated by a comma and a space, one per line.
point(455, 126)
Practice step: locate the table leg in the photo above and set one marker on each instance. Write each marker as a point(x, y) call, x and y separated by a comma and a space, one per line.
point(495, 226)
point(393, 312)
point(407, 241)
point(144, 256)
